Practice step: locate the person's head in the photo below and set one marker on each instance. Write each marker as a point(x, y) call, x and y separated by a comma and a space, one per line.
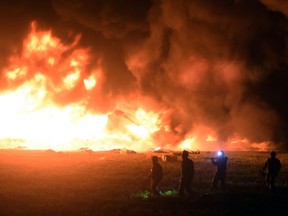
point(273, 154)
point(154, 159)
point(185, 154)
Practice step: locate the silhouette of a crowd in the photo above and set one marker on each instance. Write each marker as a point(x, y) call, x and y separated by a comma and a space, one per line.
point(270, 169)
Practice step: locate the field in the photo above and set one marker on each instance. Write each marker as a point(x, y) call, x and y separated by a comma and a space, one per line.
point(108, 183)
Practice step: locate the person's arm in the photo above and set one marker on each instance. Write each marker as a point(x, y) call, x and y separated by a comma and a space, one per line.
point(265, 165)
point(150, 175)
point(214, 162)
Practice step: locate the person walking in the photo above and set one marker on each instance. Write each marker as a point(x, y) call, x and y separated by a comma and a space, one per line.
point(220, 175)
point(155, 176)
point(187, 166)
point(273, 167)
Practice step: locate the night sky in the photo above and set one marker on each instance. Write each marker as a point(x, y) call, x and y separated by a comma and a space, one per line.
point(218, 63)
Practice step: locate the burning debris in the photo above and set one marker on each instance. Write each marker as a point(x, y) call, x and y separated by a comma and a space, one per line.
point(86, 150)
point(170, 157)
point(127, 151)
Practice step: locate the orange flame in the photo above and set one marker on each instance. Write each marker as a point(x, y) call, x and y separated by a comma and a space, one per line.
point(41, 108)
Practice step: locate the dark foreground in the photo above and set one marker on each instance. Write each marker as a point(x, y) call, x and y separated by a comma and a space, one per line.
point(79, 184)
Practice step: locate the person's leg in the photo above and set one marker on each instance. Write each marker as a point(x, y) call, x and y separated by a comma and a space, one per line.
point(222, 180)
point(188, 185)
point(215, 180)
point(153, 188)
point(268, 180)
point(272, 183)
point(181, 187)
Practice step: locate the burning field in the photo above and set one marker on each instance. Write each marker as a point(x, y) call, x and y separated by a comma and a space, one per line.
point(82, 80)
point(138, 75)
point(108, 183)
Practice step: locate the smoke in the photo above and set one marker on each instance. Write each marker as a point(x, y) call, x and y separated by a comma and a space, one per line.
point(217, 64)
point(277, 5)
point(222, 65)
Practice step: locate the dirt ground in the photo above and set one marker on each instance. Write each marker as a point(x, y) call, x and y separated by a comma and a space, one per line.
point(108, 183)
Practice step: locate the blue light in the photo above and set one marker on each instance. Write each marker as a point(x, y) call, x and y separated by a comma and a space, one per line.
point(219, 153)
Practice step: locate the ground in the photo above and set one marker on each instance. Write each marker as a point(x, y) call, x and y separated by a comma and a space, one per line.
point(108, 183)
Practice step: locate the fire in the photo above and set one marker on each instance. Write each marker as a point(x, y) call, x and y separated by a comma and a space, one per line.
point(45, 105)
point(188, 143)
point(90, 82)
point(30, 113)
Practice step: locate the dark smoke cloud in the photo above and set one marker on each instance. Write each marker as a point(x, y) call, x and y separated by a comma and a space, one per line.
point(218, 63)
point(113, 18)
point(15, 18)
point(277, 5)
point(111, 25)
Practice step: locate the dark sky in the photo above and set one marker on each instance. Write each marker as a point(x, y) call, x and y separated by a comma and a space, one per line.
point(218, 63)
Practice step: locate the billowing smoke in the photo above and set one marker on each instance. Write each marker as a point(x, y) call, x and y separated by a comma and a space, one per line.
point(220, 64)
point(277, 5)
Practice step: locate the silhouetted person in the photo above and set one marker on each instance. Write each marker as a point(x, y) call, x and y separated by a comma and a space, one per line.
point(221, 163)
point(187, 174)
point(273, 166)
point(155, 176)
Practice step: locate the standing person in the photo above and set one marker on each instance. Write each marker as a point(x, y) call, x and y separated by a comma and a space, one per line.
point(155, 176)
point(273, 166)
point(220, 175)
point(187, 174)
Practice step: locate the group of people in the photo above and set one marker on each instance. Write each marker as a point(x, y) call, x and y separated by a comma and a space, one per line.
point(272, 165)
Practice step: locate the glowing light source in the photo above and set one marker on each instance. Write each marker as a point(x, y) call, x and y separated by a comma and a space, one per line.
point(90, 83)
point(220, 153)
point(157, 148)
point(188, 143)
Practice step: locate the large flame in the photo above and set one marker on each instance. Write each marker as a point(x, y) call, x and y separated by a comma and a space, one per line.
point(29, 112)
point(41, 107)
